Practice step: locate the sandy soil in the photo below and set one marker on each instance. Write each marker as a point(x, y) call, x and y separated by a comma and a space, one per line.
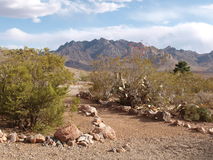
point(148, 140)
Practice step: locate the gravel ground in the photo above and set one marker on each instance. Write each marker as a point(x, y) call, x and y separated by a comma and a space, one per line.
point(149, 140)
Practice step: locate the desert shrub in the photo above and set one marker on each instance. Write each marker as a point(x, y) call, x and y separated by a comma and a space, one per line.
point(74, 104)
point(134, 81)
point(195, 113)
point(32, 85)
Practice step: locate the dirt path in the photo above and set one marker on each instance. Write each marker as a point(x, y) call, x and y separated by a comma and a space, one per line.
point(148, 140)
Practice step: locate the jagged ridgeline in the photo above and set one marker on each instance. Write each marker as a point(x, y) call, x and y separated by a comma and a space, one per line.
point(80, 54)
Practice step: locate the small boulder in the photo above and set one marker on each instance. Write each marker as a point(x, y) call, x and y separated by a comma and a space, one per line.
point(71, 143)
point(210, 131)
point(85, 139)
point(88, 110)
point(12, 137)
point(126, 108)
point(167, 117)
point(97, 121)
point(70, 132)
point(31, 139)
point(107, 132)
point(39, 138)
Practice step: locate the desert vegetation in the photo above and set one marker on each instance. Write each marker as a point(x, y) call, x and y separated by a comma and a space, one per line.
point(32, 86)
point(136, 82)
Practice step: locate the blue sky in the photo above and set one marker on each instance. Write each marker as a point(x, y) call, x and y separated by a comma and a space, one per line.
point(184, 24)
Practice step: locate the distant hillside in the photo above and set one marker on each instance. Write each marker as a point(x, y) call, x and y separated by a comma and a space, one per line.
point(80, 54)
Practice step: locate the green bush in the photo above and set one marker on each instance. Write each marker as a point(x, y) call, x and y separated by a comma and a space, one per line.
point(195, 113)
point(74, 104)
point(32, 85)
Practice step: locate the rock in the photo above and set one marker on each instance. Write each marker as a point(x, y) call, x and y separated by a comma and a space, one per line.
point(126, 108)
point(200, 129)
point(1, 134)
point(127, 147)
point(71, 143)
point(96, 137)
point(87, 138)
point(88, 110)
point(50, 141)
point(167, 116)
point(107, 132)
point(120, 150)
point(3, 137)
point(178, 123)
point(70, 132)
point(39, 138)
point(84, 95)
point(114, 150)
point(59, 144)
point(210, 131)
point(133, 111)
point(82, 143)
point(31, 139)
point(22, 136)
point(187, 126)
point(97, 121)
point(12, 137)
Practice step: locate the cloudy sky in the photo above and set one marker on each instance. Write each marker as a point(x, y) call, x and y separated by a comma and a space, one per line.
point(186, 24)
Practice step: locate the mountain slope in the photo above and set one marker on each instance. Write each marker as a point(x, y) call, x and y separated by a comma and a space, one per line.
point(80, 54)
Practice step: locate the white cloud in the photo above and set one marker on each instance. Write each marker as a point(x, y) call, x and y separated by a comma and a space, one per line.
point(34, 9)
point(166, 15)
point(192, 36)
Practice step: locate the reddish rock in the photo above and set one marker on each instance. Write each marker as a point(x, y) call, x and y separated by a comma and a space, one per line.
point(70, 132)
point(39, 138)
point(31, 139)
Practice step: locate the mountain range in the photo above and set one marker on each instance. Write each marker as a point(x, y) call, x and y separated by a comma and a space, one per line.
point(80, 54)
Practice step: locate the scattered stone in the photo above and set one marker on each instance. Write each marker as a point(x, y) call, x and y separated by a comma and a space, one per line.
point(187, 125)
point(71, 143)
point(200, 129)
point(12, 137)
point(126, 108)
point(120, 150)
point(88, 110)
point(22, 136)
point(85, 138)
point(107, 132)
point(1, 134)
point(82, 143)
point(127, 147)
point(39, 138)
point(210, 131)
point(96, 137)
point(114, 150)
point(31, 139)
point(178, 123)
point(167, 117)
point(3, 137)
point(70, 132)
point(97, 121)
point(59, 144)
